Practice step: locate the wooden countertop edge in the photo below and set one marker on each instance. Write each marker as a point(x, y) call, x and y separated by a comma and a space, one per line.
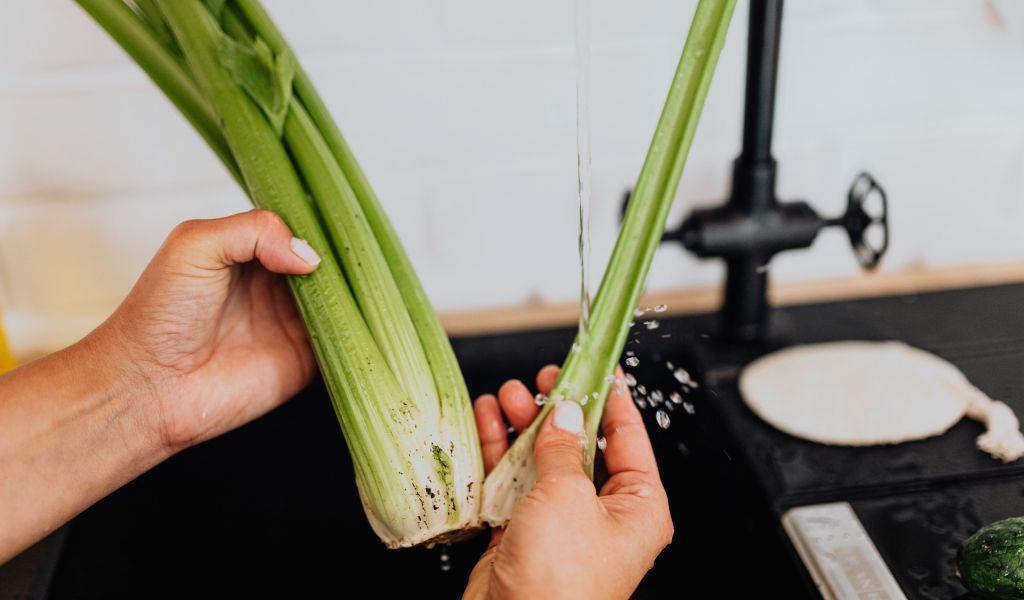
point(689, 301)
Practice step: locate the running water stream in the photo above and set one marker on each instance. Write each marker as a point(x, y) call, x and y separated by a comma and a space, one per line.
point(583, 154)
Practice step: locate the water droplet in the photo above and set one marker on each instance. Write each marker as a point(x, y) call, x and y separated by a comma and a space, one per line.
point(657, 397)
point(446, 561)
point(671, 367)
point(639, 312)
point(540, 399)
point(640, 402)
point(682, 376)
point(609, 378)
point(676, 398)
point(641, 389)
point(632, 361)
point(762, 269)
point(602, 443)
point(652, 324)
point(663, 420)
point(576, 347)
point(511, 429)
point(688, 408)
point(665, 336)
point(630, 380)
point(630, 353)
point(661, 308)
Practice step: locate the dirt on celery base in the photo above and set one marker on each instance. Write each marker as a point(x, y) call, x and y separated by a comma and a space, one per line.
point(446, 537)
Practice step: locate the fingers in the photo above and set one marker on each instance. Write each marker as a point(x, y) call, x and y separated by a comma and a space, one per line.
point(558, 450)
point(629, 448)
point(546, 379)
point(491, 428)
point(214, 244)
point(518, 404)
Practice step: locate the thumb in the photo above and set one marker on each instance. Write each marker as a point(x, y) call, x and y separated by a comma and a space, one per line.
point(558, 450)
point(215, 244)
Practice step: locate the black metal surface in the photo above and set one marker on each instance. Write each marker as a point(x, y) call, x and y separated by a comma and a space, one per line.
point(980, 331)
point(272, 510)
point(918, 534)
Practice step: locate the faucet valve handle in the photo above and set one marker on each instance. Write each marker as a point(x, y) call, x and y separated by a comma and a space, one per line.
point(866, 220)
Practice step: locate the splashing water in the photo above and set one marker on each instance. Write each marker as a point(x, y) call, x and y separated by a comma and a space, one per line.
point(632, 361)
point(663, 419)
point(683, 377)
point(446, 560)
point(602, 443)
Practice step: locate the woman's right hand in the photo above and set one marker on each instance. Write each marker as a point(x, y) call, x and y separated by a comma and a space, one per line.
point(566, 539)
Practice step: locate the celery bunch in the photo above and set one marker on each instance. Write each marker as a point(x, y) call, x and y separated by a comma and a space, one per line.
point(387, 362)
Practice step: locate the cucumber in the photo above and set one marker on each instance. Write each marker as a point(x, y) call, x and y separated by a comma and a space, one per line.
point(991, 562)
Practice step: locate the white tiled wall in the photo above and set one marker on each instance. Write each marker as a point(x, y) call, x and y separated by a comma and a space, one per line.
point(463, 113)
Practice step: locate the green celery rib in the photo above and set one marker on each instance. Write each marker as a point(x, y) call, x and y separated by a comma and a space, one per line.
point(362, 261)
point(149, 12)
point(378, 422)
point(597, 351)
point(456, 408)
point(141, 43)
point(650, 203)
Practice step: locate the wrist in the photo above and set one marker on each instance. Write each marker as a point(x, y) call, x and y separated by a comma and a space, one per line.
point(108, 372)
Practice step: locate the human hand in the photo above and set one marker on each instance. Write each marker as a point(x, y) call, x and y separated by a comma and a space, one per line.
point(566, 540)
point(211, 332)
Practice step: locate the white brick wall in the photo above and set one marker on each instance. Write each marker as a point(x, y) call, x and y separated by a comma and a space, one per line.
point(463, 113)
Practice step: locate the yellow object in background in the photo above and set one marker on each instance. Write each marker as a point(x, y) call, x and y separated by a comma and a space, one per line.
point(6, 360)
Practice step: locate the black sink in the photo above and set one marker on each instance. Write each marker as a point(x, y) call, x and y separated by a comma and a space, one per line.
point(272, 510)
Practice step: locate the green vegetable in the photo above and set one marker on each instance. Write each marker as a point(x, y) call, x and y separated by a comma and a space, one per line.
point(585, 375)
point(991, 562)
point(387, 363)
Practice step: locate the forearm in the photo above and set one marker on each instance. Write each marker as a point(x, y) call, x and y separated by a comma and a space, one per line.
point(74, 426)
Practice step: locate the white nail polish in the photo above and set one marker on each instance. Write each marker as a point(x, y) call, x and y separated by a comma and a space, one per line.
point(303, 250)
point(569, 416)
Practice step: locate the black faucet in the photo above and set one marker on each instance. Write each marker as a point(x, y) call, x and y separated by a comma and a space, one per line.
point(753, 225)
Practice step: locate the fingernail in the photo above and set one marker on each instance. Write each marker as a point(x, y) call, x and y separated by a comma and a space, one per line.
point(569, 416)
point(303, 250)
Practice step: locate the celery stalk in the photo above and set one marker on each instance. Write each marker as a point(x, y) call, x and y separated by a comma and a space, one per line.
point(585, 373)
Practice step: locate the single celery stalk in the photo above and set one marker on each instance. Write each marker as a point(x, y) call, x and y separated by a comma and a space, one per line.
point(585, 375)
point(386, 361)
